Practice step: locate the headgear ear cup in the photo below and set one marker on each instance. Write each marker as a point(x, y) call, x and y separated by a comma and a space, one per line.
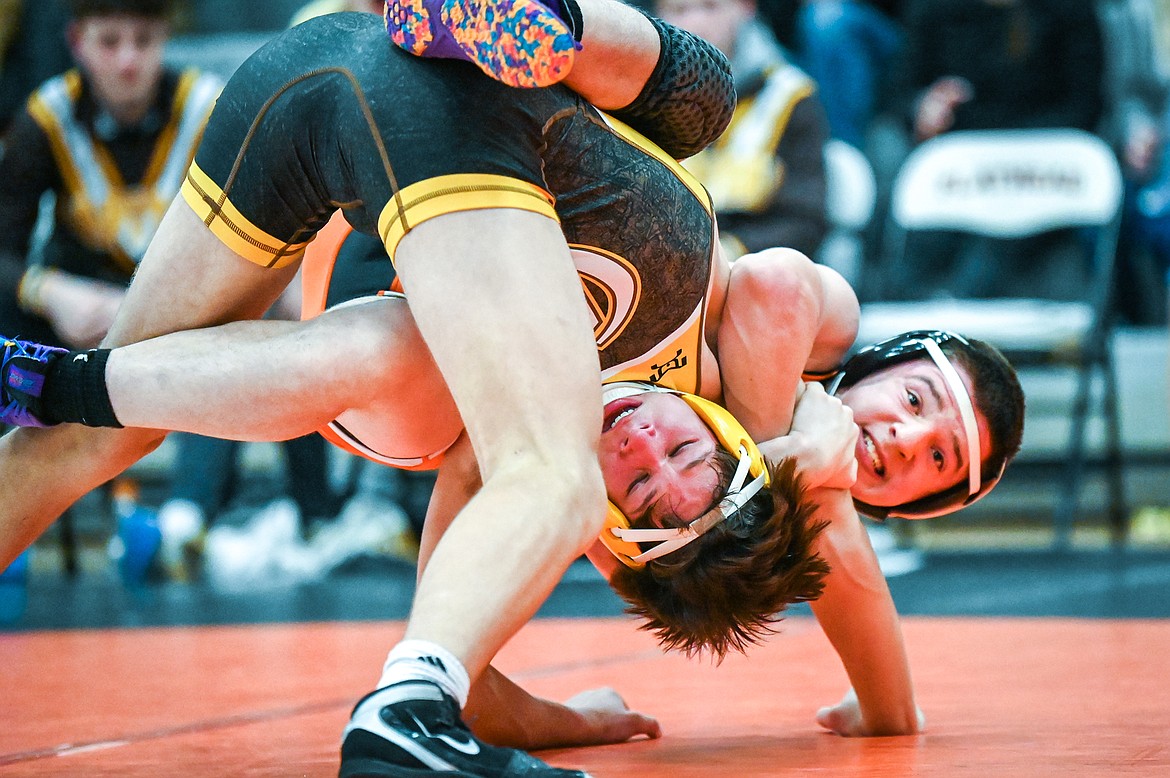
point(624, 550)
point(728, 431)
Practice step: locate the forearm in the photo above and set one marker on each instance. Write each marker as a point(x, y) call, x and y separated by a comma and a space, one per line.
point(858, 616)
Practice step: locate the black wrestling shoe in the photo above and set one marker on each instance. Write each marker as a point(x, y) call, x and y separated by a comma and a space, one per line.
point(414, 730)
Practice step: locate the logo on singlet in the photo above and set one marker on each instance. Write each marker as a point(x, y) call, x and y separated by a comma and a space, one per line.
point(675, 363)
point(612, 289)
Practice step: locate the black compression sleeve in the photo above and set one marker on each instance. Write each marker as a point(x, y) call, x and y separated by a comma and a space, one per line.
point(688, 99)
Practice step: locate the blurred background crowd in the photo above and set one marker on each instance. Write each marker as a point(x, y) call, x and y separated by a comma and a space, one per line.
point(101, 103)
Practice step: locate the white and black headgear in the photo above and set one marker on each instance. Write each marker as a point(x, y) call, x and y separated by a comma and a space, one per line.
point(920, 344)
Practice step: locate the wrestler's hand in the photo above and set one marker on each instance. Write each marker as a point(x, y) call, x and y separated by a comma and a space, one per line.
point(823, 439)
point(845, 718)
point(605, 719)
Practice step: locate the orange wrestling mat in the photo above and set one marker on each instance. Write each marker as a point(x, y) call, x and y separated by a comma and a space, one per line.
point(1003, 697)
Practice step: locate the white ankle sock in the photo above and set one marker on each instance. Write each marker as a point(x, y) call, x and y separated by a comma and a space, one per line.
point(422, 660)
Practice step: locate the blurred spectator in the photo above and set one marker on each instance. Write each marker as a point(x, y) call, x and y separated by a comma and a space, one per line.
point(32, 49)
point(110, 140)
point(988, 65)
point(846, 46)
point(104, 145)
point(766, 173)
point(1138, 48)
point(999, 64)
point(1137, 34)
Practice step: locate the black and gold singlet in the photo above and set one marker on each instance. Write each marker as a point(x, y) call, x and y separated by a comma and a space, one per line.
point(332, 115)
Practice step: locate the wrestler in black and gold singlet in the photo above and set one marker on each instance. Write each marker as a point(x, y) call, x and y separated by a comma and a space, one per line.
point(332, 115)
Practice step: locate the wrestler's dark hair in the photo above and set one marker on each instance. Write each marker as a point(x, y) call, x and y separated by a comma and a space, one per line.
point(153, 9)
point(997, 393)
point(727, 589)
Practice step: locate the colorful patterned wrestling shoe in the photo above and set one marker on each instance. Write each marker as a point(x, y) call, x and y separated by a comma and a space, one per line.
point(521, 43)
point(413, 730)
point(23, 365)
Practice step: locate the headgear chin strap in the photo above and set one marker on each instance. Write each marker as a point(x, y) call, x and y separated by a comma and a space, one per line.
point(622, 541)
point(902, 348)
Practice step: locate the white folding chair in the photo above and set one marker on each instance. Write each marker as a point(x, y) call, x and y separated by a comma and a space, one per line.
point(1014, 184)
point(850, 198)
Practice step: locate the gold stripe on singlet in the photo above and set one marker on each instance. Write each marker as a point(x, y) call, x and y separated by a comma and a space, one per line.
point(232, 228)
point(459, 192)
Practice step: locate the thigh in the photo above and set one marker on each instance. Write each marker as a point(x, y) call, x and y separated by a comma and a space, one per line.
point(189, 279)
point(406, 417)
point(498, 302)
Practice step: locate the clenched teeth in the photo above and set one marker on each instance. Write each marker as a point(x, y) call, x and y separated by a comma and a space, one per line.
point(871, 448)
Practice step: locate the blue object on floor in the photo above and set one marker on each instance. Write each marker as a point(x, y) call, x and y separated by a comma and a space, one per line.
point(14, 589)
point(136, 544)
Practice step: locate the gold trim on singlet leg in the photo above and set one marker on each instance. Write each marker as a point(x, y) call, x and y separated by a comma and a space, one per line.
point(453, 193)
point(232, 228)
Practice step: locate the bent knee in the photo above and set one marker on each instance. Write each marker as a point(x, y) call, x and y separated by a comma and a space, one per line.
point(581, 489)
point(134, 444)
point(376, 344)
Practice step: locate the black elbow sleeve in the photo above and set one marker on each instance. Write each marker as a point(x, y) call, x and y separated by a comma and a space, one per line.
point(689, 98)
